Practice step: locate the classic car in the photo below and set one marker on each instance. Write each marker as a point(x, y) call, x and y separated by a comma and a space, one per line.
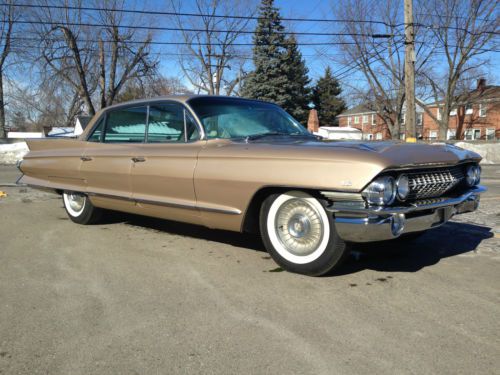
point(247, 165)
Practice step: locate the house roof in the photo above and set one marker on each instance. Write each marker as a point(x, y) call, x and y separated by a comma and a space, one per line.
point(361, 108)
point(478, 95)
point(481, 94)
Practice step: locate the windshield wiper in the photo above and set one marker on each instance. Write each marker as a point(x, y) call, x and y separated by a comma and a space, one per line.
point(262, 135)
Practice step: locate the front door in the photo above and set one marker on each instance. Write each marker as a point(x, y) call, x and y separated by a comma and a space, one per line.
point(163, 167)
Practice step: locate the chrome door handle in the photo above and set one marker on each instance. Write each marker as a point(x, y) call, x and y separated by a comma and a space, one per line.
point(138, 159)
point(86, 158)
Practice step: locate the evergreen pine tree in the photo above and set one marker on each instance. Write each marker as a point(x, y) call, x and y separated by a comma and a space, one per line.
point(279, 68)
point(327, 100)
point(297, 83)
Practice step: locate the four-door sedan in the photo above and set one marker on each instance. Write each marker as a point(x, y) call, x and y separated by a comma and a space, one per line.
point(247, 165)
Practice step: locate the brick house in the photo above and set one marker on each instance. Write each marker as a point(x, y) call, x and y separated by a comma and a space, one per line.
point(476, 117)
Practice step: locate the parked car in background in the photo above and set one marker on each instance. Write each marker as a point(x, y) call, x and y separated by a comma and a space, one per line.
point(246, 165)
point(336, 133)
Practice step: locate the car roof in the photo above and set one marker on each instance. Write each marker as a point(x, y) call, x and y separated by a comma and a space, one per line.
point(177, 98)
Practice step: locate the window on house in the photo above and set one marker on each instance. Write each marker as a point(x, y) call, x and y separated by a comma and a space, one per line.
point(374, 119)
point(378, 136)
point(420, 119)
point(365, 119)
point(451, 134)
point(490, 134)
point(439, 113)
point(468, 109)
point(433, 135)
point(453, 112)
point(482, 110)
point(349, 119)
point(402, 117)
point(473, 134)
point(356, 119)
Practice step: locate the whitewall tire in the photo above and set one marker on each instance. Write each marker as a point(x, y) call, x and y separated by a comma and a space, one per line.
point(79, 208)
point(299, 233)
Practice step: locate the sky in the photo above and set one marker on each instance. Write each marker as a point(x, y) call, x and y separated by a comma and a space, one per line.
point(317, 57)
point(313, 55)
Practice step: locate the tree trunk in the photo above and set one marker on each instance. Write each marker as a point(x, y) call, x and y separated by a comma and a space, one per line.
point(3, 132)
point(460, 122)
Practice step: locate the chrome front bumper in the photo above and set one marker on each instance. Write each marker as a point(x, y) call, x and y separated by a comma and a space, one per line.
point(359, 224)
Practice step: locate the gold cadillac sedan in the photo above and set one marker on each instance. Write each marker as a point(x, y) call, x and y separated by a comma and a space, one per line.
point(247, 165)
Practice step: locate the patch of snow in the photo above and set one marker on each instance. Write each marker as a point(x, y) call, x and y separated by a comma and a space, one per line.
point(490, 152)
point(10, 154)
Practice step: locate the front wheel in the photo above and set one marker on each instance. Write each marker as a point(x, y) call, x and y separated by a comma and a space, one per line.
point(79, 208)
point(299, 234)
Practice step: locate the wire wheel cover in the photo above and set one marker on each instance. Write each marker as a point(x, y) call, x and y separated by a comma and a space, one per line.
point(299, 227)
point(76, 201)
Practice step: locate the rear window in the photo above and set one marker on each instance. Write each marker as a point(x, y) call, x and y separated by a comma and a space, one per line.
point(96, 134)
point(126, 125)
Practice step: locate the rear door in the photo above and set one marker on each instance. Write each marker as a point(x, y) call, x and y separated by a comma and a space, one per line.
point(163, 166)
point(107, 160)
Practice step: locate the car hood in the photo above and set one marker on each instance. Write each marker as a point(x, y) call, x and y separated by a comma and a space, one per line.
point(386, 154)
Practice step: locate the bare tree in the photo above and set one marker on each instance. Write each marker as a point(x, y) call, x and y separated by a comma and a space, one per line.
point(43, 102)
point(450, 33)
point(372, 48)
point(149, 87)
point(123, 59)
point(210, 60)
point(95, 58)
point(6, 29)
point(462, 31)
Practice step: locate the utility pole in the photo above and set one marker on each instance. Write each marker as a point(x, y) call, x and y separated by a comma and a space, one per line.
point(410, 120)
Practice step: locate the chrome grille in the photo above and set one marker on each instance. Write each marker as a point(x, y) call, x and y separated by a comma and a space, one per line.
point(434, 182)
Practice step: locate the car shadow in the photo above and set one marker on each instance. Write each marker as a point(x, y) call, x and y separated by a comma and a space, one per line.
point(244, 240)
point(446, 241)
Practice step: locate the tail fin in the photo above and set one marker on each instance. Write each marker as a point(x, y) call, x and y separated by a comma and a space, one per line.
point(52, 144)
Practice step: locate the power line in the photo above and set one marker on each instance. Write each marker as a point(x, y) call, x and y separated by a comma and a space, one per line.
point(186, 43)
point(186, 14)
point(450, 16)
point(158, 28)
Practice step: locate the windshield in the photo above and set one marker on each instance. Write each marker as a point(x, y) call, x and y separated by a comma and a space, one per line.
point(240, 118)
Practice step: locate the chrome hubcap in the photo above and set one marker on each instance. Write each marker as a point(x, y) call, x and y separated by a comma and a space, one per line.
point(76, 201)
point(299, 227)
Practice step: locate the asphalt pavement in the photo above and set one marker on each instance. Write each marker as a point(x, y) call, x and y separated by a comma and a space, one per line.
point(136, 295)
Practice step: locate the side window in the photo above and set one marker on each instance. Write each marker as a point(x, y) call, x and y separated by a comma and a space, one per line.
point(96, 133)
point(166, 124)
point(126, 125)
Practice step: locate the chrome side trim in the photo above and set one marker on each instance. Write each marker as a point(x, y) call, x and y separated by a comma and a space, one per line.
point(342, 196)
point(169, 204)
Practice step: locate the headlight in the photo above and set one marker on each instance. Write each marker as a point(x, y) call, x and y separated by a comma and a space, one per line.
point(381, 191)
point(473, 175)
point(403, 187)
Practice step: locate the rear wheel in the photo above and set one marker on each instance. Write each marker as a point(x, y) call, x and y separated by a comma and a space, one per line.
point(79, 208)
point(299, 234)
